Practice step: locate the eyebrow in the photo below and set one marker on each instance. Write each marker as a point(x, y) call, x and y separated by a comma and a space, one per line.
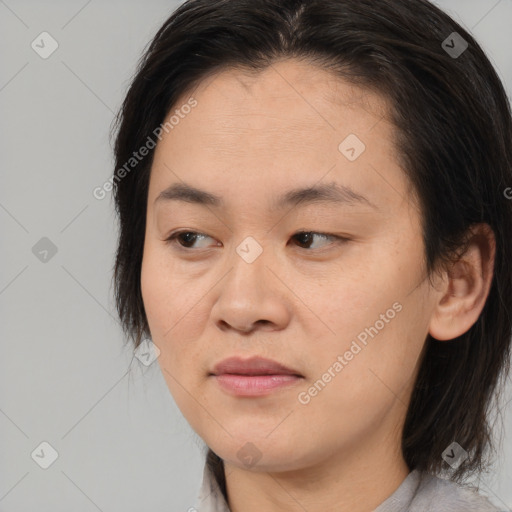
point(324, 193)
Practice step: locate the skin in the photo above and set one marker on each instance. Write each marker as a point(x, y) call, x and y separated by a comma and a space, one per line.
point(249, 139)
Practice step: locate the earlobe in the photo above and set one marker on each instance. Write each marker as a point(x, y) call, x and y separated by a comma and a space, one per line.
point(468, 282)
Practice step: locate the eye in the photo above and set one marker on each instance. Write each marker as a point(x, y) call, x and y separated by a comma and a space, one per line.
point(186, 239)
point(306, 237)
point(189, 237)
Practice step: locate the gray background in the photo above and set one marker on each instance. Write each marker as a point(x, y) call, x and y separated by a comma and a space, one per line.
point(122, 443)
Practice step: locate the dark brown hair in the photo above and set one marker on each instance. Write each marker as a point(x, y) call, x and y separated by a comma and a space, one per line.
point(453, 139)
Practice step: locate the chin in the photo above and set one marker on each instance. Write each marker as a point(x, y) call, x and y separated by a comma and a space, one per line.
point(260, 453)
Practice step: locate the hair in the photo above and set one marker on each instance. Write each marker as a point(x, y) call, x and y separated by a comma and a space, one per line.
point(453, 134)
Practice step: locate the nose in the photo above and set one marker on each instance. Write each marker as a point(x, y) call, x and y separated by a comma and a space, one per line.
point(252, 295)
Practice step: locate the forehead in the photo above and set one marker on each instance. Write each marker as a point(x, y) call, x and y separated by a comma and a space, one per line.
point(275, 128)
point(292, 77)
point(289, 91)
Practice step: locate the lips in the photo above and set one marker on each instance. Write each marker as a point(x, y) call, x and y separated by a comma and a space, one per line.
point(252, 366)
point(254, 377)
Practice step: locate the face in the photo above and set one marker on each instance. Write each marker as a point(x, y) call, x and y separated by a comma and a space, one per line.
point(331, 286)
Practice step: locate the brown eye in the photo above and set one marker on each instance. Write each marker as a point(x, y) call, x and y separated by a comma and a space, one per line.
point(307, 237)
point(185, 239)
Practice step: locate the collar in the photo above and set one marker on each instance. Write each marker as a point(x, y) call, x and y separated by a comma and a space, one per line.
point(211, 498)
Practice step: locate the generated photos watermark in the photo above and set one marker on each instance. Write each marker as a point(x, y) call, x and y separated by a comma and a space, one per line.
point(100, 192)
point(304, 397)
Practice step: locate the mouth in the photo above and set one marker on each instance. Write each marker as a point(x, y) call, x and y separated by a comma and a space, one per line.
point(253, 366)
point(253, 377)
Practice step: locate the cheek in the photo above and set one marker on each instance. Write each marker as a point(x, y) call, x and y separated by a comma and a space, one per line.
point(167, 297)
point(377, 328)
point(175, 313)
point(384, 369)
point(155, 295)
point(357, 386)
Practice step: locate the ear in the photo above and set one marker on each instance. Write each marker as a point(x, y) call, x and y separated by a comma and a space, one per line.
point(466, 286)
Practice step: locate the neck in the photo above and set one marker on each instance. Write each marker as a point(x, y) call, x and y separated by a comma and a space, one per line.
point(348, 480)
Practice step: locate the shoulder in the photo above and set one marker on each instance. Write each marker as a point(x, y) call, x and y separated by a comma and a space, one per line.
point(448, 496)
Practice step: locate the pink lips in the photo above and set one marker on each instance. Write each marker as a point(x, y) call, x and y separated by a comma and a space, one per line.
point(253, 377)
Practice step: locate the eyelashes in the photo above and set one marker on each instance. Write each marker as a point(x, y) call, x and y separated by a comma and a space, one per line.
point(190, 237)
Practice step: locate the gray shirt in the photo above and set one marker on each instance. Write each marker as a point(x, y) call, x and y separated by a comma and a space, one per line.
point(419, 492)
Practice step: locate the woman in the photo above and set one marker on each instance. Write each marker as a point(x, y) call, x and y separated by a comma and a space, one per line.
point(315, 233)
